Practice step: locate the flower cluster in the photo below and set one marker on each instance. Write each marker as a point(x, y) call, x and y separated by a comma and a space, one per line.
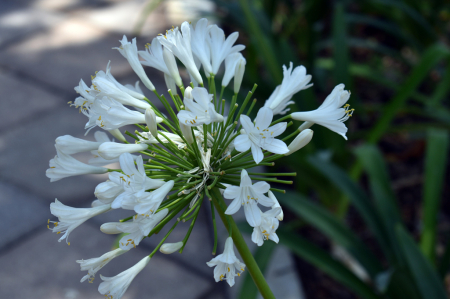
point(192, 151)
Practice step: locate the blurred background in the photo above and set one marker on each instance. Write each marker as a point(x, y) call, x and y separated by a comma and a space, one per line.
point(365, 218)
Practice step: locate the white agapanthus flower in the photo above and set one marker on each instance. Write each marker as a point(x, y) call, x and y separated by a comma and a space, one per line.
point(102, 137)
point(71, 145)
point(137, 229)
point(133, 181)
point(93, 265)
point(293, 81)
point(112, 150)
point(330, 114)
point(107, 191)
point(200, 47)
point(130, 52)
point(64, 165)
point(153, 56)
point(115, 287)
point(199, 109)
point(169, 248)
point(179, 43)
point(171, 64)
point(276, 205)
point(227, 265)
point(70, 218)
point(248, 195)
point(230, 67)
point(164, 137)
point(266, 230)
point(150, 119)
point(221, 47)
point(149, 202)
point(260, 136)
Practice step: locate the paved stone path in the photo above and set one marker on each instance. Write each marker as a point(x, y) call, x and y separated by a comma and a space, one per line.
point(46, 46)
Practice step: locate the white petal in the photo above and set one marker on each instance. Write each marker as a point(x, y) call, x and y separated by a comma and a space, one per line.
point(264, 118)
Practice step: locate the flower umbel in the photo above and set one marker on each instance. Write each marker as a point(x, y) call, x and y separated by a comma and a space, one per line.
point(197, 147)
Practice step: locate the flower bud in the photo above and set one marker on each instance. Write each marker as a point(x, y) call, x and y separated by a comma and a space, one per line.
point(239, 74)
point(96, 203)
point(110, 228)
point(305, 125)
point(187, 132)
point(170, 83)
point(188, 93)
point(112, 150)
point(117, 134)
point(276, 204)
point(71, 145)
point(150, 119)
point(168, 248)
point(300, 141)
point(171, 64)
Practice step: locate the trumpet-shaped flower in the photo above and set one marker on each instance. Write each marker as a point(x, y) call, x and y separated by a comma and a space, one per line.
point(64, 165)
point(153, 56)
point(260, 136)
point(70, 218)
point(330, 114)
point(112, 150)
point(230, 67)
point(266, 230)
point(150, 201)
point(200, 47)
point(71, 145)
point(249, 196)
point(227, 265)
point(133, 181)
point(276, 205)
point(130, 52)
point(115, 287)
point(93, 265)
point(179, 43)
point(221, 47)
point(293, 81)
point(199, 109)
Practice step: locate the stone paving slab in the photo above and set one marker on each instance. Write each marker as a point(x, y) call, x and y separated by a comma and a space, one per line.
point(40, 267)
point(20, 213)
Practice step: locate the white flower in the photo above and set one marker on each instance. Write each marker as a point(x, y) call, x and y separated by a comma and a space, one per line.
point(239, 74)
point(112, 150)
point(137, 229)
point(130, 52)
point(103, 137)
point(64, 165)
point(300, 141)
point(227, 265)
point(200, 47)
point(70, 218)
point(115, 287)
point(106, 85)
point(266, 230)
point(93, 265)
point(221, 47)
point(170, 83)
point(107, 191)
point(249, 196)
point(171, 64)
point(180, 45)
point(153, 56)
point(230, 67)
point(276, 205)
point(259, 135)
point(87, 94)
point(198, 64)
point(150, 119)
point(133, 181)
point(293, 82)
point(330, 114)
point(168, 248)
point(150, 201)
point(199, 109)
point(71, 145)
point(96, 203)
point(148, 138)
point(187, 133)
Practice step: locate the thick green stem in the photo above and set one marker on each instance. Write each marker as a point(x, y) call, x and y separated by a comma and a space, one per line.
point(241, 246)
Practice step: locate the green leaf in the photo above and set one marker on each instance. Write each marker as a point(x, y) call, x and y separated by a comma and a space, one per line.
point(357, 197)
point(426, 278)
point(340, 47)
point(435, 166)
point(385, 201)
point(333, 228)
point(444, 263)
point(431, 56)
point(322, 260)
point(262, 256)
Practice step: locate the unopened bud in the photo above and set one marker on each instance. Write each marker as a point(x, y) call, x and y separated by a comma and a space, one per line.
point(188, 93)
point(187, 132)
point(150, 119)
point(110, 228)
point(116, 133)
point(168, 248)
point(171, 64)
point(239, 74)
point(300, 141)
point(112, 150)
